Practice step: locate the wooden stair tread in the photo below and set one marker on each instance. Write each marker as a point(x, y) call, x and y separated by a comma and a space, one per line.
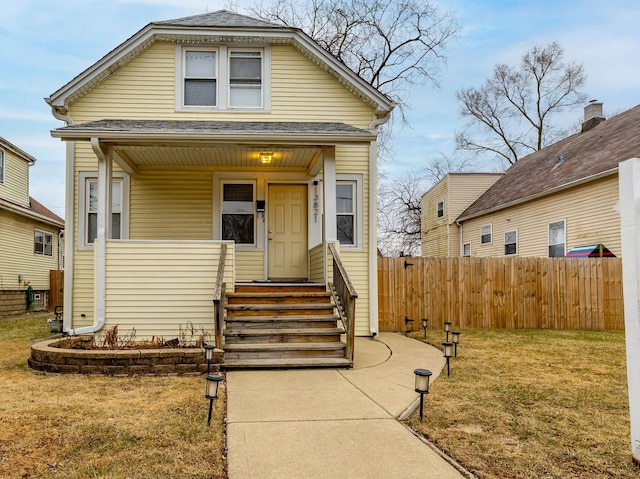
point(288, 362)
point(272, 307)
point(283, 332)
point(280, 294)
point(283, 346)
point(275, 319)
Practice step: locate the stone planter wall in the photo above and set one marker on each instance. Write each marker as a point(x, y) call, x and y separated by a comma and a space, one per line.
point(45, 356)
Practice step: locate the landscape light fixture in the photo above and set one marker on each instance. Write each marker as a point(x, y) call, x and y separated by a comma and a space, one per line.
point(447, 328)
point(424, 326)
point(211, 392)
point(455, 337)
point(447, 354)
point(208, 355)
point(422, 386)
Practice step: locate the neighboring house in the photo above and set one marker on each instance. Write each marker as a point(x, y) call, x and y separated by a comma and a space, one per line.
point(29, 236)
point(557, 198)
point(441, 205)
point(209, 130)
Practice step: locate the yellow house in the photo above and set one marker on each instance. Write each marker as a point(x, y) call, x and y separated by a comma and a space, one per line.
point(557, 198)
point(29, 236)
point(239, 160)
point(441, 206)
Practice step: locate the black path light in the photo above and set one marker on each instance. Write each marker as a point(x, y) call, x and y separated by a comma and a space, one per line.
point(424, 326)
point(211, 392)
point(422, 386)
point(208, 355)
point(447, 354)
point(447, 328)
point(455, 337)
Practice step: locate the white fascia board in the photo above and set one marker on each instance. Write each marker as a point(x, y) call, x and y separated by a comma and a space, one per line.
point(29, 214)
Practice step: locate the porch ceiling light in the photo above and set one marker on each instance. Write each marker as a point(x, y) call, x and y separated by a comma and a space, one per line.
point(266, 157)
point(211, 392)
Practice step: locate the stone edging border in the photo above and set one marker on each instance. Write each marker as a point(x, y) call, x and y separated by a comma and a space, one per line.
point(131, 362)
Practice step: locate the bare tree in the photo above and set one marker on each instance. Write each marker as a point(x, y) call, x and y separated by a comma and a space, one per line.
point(399, 208)
point(512, 111)
point(390, 44)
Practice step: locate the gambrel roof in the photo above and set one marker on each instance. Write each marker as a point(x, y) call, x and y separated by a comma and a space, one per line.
point(222, 27)
point(578, 159)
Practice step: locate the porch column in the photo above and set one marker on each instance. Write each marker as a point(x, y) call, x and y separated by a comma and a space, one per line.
point(104, 222)
point(629, 201)
point(329, 193)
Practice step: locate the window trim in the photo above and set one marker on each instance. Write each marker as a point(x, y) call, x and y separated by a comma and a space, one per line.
point(3, 166)
point(83, 178)
point(254, 185)
point(45, 234)
point(464, 245)
point(223, 59)
point(490, 234)
point(358, 210)
point(440, 211)
point(183, 78)
point(514, 243)
point(260, 51)
point(564, 234)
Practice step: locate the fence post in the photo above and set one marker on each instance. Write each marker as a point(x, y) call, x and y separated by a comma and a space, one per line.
point(629, 188)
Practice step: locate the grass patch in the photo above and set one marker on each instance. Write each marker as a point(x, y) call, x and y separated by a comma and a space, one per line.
point(533, 403)
point(75, 426)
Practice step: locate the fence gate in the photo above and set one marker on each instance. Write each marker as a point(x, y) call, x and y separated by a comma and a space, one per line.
point(56, 288)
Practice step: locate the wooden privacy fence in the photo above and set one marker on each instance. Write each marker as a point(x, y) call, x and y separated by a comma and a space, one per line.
point(56, 288)
point(555, 293)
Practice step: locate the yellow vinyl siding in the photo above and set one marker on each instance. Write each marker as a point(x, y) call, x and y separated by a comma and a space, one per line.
point(316, 260)
point(16, 179)
point(587, 210)
point(17, 256)
point(249, 265)
point(156, 287)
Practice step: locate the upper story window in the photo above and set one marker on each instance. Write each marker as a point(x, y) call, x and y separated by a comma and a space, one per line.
point(200, 82)
point(43, 243)
point(221, 78)
point(485, 234)
point(556, 239)
point(440, 209)
point(510, 243)
point(1, 166)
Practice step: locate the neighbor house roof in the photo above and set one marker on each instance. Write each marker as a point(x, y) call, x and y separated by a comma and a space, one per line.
point(36, 211)
point(577, 159)
point(7, 145)
point(210, 28)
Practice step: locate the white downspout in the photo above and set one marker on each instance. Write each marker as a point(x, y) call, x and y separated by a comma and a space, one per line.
point(69, 224)
point(373, 226)
point(103, 232)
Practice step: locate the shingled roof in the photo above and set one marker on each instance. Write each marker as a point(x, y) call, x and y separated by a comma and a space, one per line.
point(220, 18)
point(578, 158)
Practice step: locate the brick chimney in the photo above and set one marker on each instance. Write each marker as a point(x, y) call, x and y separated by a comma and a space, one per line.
point(592, 115)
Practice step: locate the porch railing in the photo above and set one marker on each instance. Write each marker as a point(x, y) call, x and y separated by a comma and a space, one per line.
point(344, 295)
point(219, 297)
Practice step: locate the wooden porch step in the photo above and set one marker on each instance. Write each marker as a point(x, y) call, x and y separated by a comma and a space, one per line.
point(284, 350)
point(288, 363)
point(285, 322)
point(293, 335)
point(278, 297)
point(279, 309)
point(273, 287)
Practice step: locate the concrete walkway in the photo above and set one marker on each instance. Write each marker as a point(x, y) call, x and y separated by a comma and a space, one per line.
point(319, 423)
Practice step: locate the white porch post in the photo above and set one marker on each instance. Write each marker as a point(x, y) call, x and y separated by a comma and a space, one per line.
point(629, 188)
point(329, 192)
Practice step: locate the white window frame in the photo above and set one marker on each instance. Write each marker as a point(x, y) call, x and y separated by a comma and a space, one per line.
point(246, 181)
point(84, 178)
point(466, 254)
point(223, 59)
point(358, 211)
point(514, 242)
point(490, 234)
point(44, 234)
point(439, 209)
point(260, 51)
point(564, 238)
point(2, 166)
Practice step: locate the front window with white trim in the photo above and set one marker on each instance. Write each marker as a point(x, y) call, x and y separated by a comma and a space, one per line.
point(43, 243)
point(238, 213)
point(345, 212)
point(557, 239)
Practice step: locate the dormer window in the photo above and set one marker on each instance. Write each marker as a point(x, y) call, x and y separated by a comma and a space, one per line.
point(221, 78)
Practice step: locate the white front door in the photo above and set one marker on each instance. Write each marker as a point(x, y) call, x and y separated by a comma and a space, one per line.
point(287, 232)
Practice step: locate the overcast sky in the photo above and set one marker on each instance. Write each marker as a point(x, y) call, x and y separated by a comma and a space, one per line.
point(45, 43)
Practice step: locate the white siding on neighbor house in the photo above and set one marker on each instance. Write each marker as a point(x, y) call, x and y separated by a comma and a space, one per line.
point(587, 209)
point(156, 287)
point(16, 179)
point(17, 255)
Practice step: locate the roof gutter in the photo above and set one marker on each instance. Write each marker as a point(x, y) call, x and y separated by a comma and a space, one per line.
point(566, 186)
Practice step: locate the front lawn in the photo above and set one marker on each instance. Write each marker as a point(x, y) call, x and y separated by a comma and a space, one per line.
point(533, 403)
point(74, 426)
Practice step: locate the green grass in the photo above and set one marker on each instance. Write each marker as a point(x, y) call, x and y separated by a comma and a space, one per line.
point(533, 403)
point(74, 426)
